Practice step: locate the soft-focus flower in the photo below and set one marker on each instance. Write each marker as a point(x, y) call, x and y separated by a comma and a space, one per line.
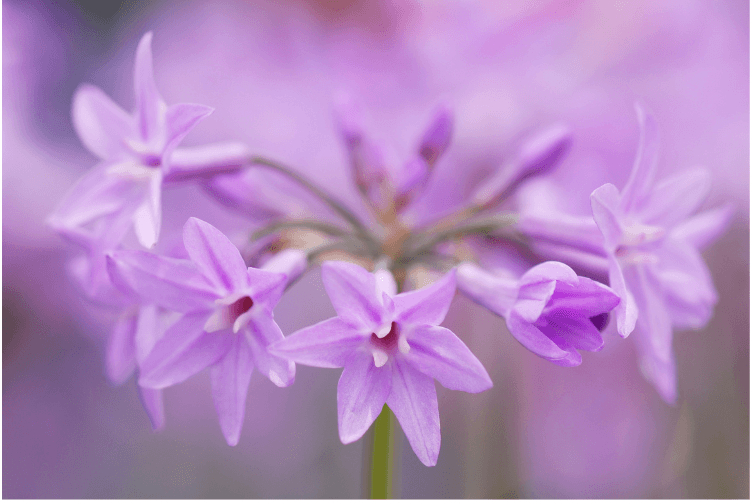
point(227, 320)
point(652, 244)
point(550, 310)
point(391, 349)
point(136, 152)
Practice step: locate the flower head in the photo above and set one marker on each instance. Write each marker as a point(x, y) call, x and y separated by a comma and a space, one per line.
point(391, 349)
point(551, 311)
point(227, 318)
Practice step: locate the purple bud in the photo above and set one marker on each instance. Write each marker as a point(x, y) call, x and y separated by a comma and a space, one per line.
point(437, 137)
point(538, 156)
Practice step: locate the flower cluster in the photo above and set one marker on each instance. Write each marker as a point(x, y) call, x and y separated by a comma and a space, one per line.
point(209, 304)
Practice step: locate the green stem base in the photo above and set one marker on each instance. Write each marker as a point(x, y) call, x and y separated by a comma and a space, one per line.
point(383, 457)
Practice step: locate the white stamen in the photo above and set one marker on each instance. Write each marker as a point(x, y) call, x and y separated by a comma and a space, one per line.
point(380, 357)
point(383, 331)
point(403, 345)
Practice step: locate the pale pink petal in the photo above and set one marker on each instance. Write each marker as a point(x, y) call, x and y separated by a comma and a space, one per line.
point(626, 311)
point(206, 161)
point(549, 271)
point(184, 351)
point(428, 305)
point(261, 332)
point(181, 118)
point(653, 324)
point(327, 344)
point(230, 379)
point(702, 229)
point(153, 402)
point(532, 299)
point(414, 402)
point(100, 123)
point(120, 354)
point(493, 292)
point(353, 293)
point(149, 106)
point(675, 198)
point(362, 391)
point(605, 205)
point(644, 168)
point(147, 217)
point(174, 284)
point(216, 256)
point(439, 353)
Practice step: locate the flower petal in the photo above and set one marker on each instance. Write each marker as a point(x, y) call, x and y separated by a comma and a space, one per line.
point(627, 311)
point(662, 373)
point(327, 344)
point(362, 391)
point(120, 356)
point(675, 198)
point(216, 257)
point(153, 402)
point(100, 123)
point(653, 315)
point(534, 339)
point(439, 353)
point(644, 168)
point(428, 305)
point(149, 106)
point(174, 284)
point(571, 331)
point(588, 298)
point(261, 332)
point(206, 161)
point(184, 351)
point(493, 292)
point(605, 205)
point(414, 402)
point(266, 286)
point(181, 118)
point(702, 229)
point(230, 379)
point(147, 217)
point(353, 293)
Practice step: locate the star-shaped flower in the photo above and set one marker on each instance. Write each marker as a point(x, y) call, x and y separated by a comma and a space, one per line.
point(550, 310)
point(391, 349)
point(137, 154)
point(652, 243)
point(227, 321)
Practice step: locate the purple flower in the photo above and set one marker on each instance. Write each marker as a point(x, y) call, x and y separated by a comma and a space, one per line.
point(550, 310)
point(137, 155)
point(391, 349)
point(652, 244)
point(227, 322)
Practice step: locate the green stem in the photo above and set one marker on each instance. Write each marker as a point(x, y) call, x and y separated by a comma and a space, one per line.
point(311, 224)
point(336, 206)
point(383, 460)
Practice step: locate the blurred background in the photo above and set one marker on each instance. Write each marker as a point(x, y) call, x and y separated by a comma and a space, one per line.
point(271, 69)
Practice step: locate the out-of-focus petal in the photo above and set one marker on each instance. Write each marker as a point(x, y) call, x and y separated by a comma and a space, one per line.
point(206, 161)
point(353, 293)
point(291, 262)
point(626, 311)
point(174, 284)
point(261, 332)
point(701, 230)
point(216, 257)
point(100, 123)
point(439, 353)
point(653, 315)
point(437, 136)
point(495, 293)
point(147, 217)
point(184, 351)
point(120, 354)
point(414, 402)
point(362, 391)
point(149, 106)
point(181, 118)
point(605, 205)
point(675, 198)
point(428, 305)
point(327, 344)
point(644, 168)
point(230, 379)
point(662, 373)
point(533, 339)
point(549, 271)
point(153, 402)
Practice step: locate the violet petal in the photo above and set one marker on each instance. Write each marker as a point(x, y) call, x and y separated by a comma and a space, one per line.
point(230, 379)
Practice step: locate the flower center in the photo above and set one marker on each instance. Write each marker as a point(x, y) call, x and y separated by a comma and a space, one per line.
point(389, 345)
point(239, 307)
point(230, 314)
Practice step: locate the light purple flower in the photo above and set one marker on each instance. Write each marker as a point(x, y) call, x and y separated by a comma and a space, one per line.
point(227, 322)
point(550, 310)
point(391, 349)
point(652, 244)
point(137, 154)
